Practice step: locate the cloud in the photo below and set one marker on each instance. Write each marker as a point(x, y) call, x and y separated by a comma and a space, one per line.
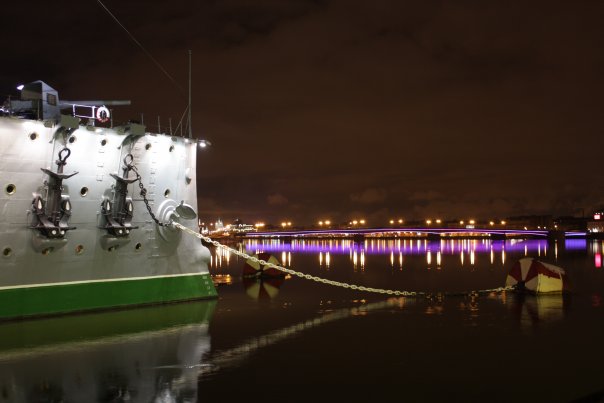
point(369, 196)
point(422, 196)
point(276, 199)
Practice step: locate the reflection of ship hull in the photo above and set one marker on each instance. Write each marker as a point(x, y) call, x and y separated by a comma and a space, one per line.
point(144, 354)
point(89, 268)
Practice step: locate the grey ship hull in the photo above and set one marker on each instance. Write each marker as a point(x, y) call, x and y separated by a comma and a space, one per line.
point(89, 268)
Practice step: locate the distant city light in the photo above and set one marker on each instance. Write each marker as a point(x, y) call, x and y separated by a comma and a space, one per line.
point(391, 221)
point(428, 222)
point(259, 225)
point(502, 222)
point(20, 87)
point(461, 222)
point(327, 222)
point(438, 221)
point(597, 216)
point(491, 223)
point(362, 221)
point(354, 222)
point(472, 222)
point(400, 220)
point(320, 222)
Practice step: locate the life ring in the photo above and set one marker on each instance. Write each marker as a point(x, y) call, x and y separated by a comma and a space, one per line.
point(103, 114)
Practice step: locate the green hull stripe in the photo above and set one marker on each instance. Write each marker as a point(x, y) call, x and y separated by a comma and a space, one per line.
point(28, 336)
point(64, 298)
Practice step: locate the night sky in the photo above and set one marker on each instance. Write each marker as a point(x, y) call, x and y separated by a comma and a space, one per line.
point(346, 109)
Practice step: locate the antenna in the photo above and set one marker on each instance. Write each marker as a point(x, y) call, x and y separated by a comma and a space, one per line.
point(190, 128)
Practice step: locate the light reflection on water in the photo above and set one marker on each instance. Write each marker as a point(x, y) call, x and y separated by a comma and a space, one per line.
point(412, 246)
point(467, 250)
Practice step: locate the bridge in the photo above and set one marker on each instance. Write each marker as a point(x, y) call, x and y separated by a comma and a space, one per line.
point(419, 232)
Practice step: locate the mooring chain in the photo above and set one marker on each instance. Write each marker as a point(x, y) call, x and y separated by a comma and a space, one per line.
point(129, 163)
point(412, 294)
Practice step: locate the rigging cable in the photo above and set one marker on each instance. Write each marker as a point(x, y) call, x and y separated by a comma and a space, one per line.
point(143, 48)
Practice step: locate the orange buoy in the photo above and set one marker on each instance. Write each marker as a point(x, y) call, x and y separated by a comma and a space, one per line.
point(252, 268)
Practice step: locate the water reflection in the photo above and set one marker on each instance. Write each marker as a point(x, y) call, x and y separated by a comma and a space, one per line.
point(412, 246)
point(262, 289)
point(324, 259)
point(434, 251)
point(221, 359)
point(439, 338)
point(146, 354)
point(534, 309)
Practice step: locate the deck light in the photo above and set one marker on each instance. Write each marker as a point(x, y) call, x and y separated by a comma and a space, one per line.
point(203, 143)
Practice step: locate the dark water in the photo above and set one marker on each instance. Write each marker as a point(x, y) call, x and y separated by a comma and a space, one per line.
point(304, 341)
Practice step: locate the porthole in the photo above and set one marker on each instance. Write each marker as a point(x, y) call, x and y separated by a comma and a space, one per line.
point(11, 189)
point(104, 142)
point(171, 148)
point(7, 252)
point(72, 139)
point(148, 146)
point(33, 135)
point(84, 191)
point(138, 246)
point(167, 193)
point(79, 249)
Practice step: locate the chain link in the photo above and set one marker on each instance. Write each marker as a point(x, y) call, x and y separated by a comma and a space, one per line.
point(411, 294)
point(130, 166)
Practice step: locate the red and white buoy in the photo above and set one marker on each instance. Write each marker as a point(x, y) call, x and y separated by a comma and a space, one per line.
point(252, 268)
point(537, 277)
